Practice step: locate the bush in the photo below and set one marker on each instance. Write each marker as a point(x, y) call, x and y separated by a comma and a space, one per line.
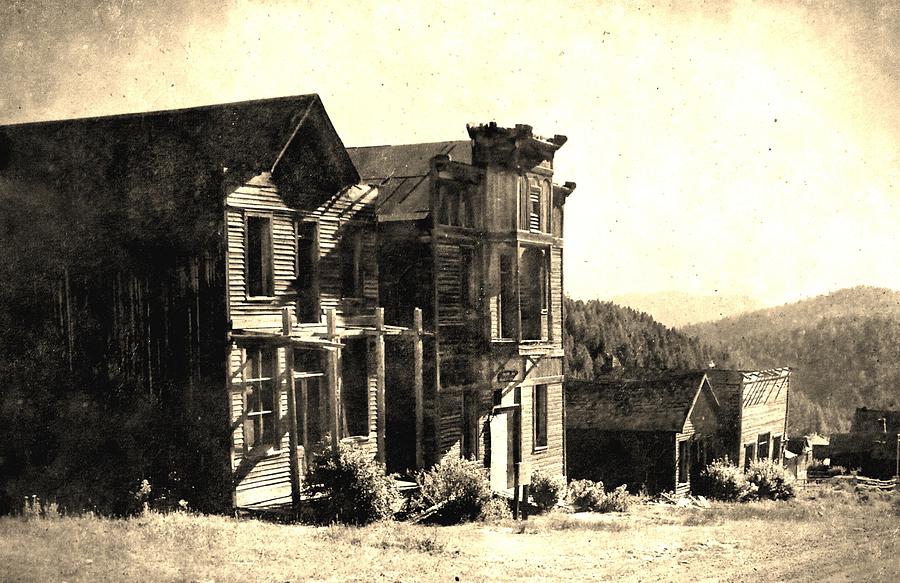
point(586, 495)
point(616, 501)
point(356, 487)
point(770, 480)
point(460, 486)
point(495, 510)
point(722, 480)
point(546, 490)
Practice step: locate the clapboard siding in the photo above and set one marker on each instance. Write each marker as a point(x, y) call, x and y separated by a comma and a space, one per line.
point(556, 295)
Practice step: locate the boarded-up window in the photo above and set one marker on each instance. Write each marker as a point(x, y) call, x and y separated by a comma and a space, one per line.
point(509, 310)
point(524, 208)
point(261, 427)
point(762, 446)
point(684, 462)
point(259, 256)
point(355, 388)
point(535, 219)
point(307, 281)
point(540, 416)
point(351, 268)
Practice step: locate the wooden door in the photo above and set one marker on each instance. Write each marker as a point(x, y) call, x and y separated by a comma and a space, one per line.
point(504, 447)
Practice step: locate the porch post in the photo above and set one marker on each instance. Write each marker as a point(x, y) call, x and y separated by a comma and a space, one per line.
point(334, 380)
point(417, 386)
point(380, 428)
point(292, 410)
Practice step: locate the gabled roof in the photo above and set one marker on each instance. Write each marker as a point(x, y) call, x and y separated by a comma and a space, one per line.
point(658, 404)
point(282, 135)
point(400, 172)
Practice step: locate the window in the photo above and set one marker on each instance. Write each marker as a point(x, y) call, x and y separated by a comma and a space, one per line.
point(749, 454)
point(762, 446)
point(776, 449)
point(508, 306)
point(455, 207)
point(535, 207)
point(533, 293)
point(468, 289)
point(307, 281)
point(351, 268)
point(545, 206)
point(540, 416)
point(260, 430)
point(683, 461)
point(313, 391)
point(355, 388)
point(259, 257)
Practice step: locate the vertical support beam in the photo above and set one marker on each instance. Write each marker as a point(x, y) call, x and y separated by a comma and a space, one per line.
point(380, 428)
point(244, 401)
point(70, 334)
point(334, 380)
point(417, 387)
point(292, 410)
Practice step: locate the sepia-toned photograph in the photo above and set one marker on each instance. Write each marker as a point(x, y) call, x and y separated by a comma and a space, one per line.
point(402, 291)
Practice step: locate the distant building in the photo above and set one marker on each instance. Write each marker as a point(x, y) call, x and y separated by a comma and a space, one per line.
point(871, 446)
point(658, 433)
point(754, 412)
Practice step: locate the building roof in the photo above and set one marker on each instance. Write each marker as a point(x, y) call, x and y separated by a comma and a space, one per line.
point(883, 420)
point(400, 172)
point(659, 404)
point(285, 136)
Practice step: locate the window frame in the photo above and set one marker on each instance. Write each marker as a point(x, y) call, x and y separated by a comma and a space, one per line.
point(255, 359)
point(540, 417)
point(267, 258)
point(684, 457)
point(308, 230)
point(767, 442)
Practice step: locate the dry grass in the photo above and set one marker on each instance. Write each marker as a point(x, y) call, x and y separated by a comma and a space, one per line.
point(825, 536)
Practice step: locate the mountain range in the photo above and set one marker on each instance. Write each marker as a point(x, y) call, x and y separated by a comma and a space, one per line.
point(681, 308)
point(843, 347)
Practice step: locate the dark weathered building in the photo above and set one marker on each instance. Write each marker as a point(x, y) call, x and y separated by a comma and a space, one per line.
point(872, 446)
point(415, 312)
point(655, 433)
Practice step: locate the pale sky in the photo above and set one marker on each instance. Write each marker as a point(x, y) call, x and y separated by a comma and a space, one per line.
point(726, 147)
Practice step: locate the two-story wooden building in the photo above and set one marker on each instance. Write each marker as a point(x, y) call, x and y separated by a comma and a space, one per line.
point(471, 231)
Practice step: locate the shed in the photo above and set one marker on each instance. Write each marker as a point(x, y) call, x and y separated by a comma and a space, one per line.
point(657, 433)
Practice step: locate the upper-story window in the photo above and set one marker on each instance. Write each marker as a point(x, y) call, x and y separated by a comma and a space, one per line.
point(534, 204)
point(260, 274)
point(307, 280)
point(455, 206)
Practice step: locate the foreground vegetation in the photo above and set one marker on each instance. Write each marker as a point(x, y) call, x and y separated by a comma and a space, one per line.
point(825, 534)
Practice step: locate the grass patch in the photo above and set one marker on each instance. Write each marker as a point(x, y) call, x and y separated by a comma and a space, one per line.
point(557, 521)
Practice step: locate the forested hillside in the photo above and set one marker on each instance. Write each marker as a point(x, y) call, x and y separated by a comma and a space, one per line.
point(598, 331)
point(844, 348)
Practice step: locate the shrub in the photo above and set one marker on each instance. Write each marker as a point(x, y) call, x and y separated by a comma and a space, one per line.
point(770, 480)
point(722, 480)
point(495, 510)
point(356, 487)
point(458, 485)
point(546, 490)
point(585, 495)
point(616, 501)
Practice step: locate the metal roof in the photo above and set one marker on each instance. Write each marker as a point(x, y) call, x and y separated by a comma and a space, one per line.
point(401, 172)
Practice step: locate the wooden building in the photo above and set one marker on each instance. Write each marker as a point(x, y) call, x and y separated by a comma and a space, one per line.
point(415, 313)
point(471, 231)
point(656, 433)
point(872, 446)
point(754, 412)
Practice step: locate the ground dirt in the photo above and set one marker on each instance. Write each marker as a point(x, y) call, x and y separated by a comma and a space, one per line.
point(823, 536)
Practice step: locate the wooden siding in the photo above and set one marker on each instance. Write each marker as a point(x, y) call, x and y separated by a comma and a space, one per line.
point(763, 410)
point(348, 211)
